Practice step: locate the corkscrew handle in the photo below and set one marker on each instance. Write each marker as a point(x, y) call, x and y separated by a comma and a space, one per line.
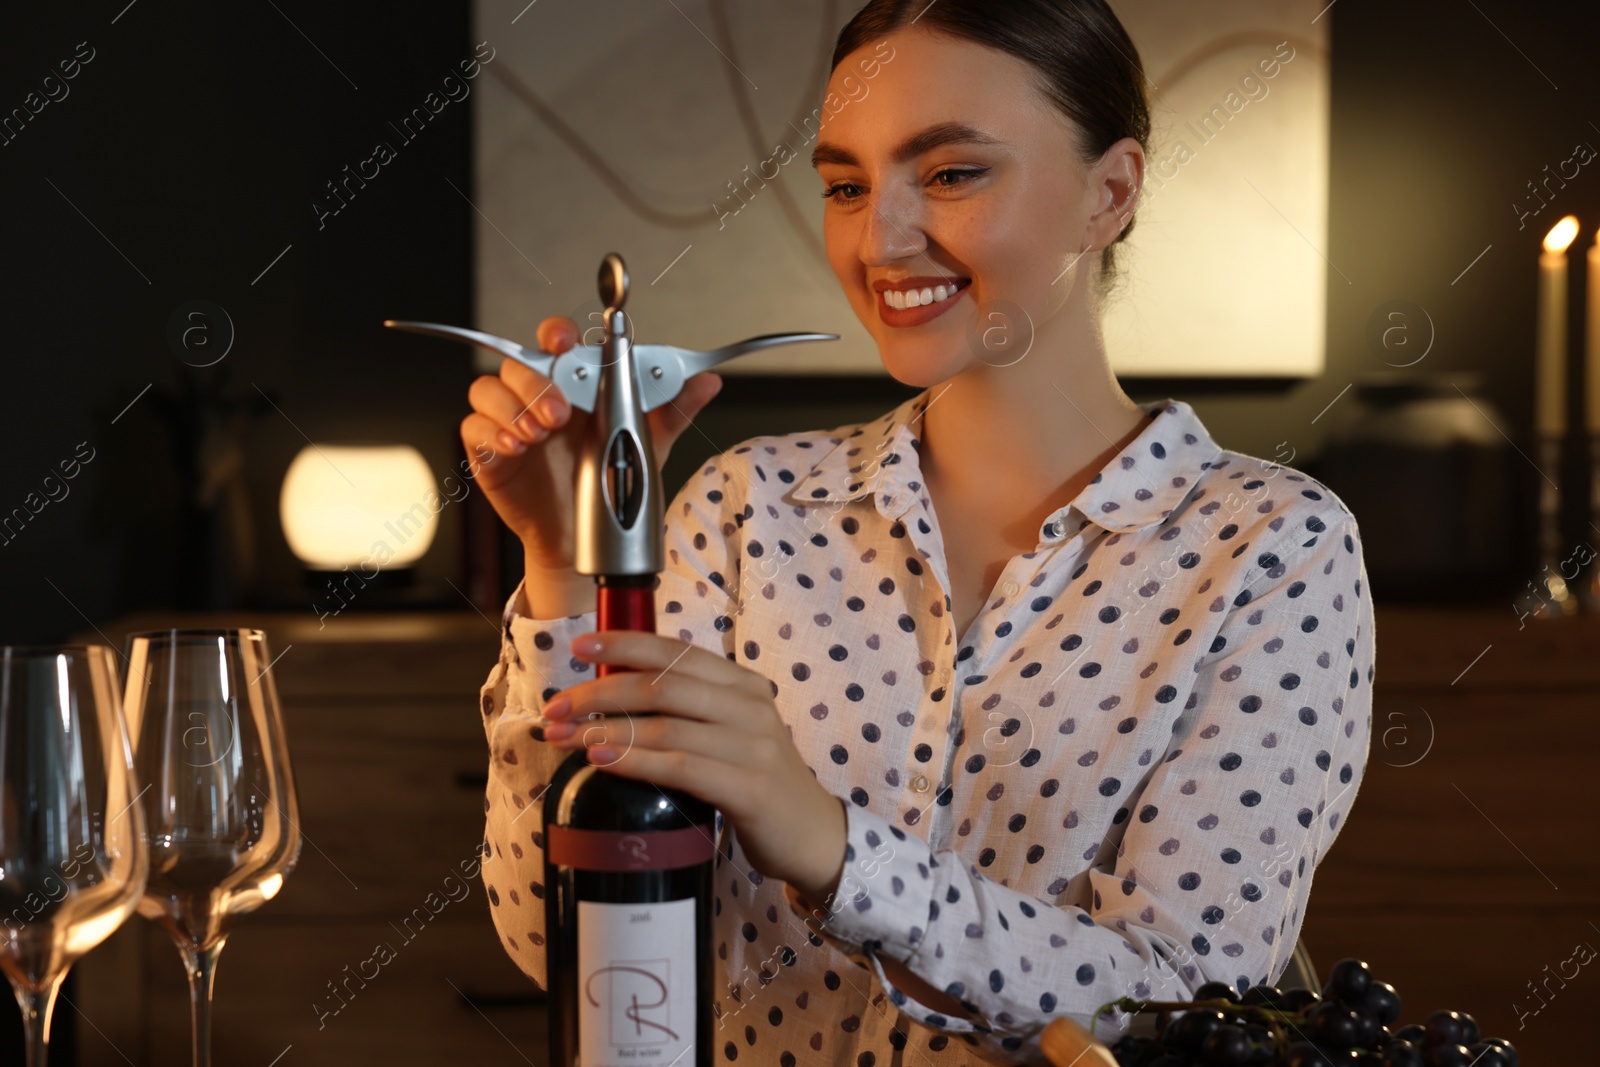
point(618, 491)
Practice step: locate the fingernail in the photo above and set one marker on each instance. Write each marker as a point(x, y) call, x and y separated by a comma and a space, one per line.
point(558, 707)
point(511, 443)
point(529, 427)
point(560, 731)
point(587, 646)
point(602, 754)
point(550, 409)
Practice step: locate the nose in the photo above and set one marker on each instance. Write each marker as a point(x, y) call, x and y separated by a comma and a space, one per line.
point(893, 230)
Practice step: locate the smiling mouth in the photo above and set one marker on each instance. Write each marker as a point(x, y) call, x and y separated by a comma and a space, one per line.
point(905, 299)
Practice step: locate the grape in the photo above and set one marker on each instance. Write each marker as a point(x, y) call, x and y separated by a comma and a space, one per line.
point(1226, 1045)
point(1264, 1049)
point(1332, 1025)
point(1262, 994)
point(1443, 1028)
point(1401, 1054)
point(1486, 1055)
point(1382, 1002)
point(1348, 1022)
point(1368, 1033)
point(1507, 1049)
point(1298, 999)
point(1189, 1030)
point(1348, 981)
point(1305, 1054)
point(1447, 1055)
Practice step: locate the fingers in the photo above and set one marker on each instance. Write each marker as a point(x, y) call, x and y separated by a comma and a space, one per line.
point(657, 733)
point(670, 420)
point(541, 398)
point(697, 392)
point(557, 334)
point(479, 431)
point(664, 656)
point(493, 399)
point(669, 691)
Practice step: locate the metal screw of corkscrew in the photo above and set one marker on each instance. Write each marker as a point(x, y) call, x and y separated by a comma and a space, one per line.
point(619, 502)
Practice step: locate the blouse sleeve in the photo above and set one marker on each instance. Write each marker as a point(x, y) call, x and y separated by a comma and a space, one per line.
point(1213, 871)
point(693, 603)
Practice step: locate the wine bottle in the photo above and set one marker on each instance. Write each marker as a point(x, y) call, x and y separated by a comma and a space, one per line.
point(628, 865)
point(628, 869)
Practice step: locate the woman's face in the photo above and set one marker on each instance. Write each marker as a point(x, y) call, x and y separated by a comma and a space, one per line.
point(948, 166)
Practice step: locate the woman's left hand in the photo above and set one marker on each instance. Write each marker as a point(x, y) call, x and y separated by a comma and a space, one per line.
point(719, 737)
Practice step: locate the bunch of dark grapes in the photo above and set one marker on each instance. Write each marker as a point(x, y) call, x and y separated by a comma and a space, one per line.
point(1348, 1022)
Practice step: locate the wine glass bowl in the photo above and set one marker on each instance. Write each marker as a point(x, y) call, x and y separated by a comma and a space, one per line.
point(220, 807)
point(72, 853)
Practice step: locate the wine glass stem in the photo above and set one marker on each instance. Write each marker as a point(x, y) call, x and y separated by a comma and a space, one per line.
point(37, 1007)
point(202, 967)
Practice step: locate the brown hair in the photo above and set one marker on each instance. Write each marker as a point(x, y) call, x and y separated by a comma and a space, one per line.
point(1086, 63)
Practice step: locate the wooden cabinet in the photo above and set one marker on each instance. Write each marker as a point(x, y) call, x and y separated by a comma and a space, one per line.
point(390, 759)
point(1470, 868)
point(1467, 871)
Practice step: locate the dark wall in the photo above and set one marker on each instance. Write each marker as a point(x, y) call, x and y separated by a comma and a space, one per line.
point(191, 148)
point(183, 160)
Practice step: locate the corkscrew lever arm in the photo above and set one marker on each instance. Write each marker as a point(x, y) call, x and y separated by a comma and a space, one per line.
point(662, 368)
point(534, 360)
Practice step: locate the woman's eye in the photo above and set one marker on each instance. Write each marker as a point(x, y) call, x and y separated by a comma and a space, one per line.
point(959, 175)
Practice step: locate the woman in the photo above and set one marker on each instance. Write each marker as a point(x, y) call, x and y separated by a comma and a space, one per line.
point(1019, 699)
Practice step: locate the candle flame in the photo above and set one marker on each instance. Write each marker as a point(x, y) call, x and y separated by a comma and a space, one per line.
point(1561, 235)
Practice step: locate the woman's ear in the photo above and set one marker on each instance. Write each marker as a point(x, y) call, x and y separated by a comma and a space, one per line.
point(1118, 178)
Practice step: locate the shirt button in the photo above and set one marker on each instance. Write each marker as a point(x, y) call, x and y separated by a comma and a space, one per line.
point(920, 783)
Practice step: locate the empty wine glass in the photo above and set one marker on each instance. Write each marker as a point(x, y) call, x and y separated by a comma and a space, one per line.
point(223, 822)
point(72, 856)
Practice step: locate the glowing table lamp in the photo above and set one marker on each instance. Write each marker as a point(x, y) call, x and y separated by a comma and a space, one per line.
point(361, 508)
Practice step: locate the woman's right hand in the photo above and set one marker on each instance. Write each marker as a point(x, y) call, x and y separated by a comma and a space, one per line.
point(535, 434)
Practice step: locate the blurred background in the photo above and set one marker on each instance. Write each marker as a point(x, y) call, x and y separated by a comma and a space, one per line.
point(187, 313)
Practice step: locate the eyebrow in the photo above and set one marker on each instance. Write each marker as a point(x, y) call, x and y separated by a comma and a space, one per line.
point(936, 136)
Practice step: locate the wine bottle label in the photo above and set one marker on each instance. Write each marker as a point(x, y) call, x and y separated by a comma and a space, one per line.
point(636, 973)
point(609, 850)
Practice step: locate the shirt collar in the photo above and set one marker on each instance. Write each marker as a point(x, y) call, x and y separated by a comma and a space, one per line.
point(1139, 487)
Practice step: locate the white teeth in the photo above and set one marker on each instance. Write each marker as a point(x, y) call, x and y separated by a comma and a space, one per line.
point(912, 298)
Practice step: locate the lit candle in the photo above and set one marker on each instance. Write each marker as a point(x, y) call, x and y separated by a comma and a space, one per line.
point(1550, 405)
point(1593, 314)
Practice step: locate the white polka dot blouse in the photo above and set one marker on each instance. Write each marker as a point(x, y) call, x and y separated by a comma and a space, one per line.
point(1118, 782)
